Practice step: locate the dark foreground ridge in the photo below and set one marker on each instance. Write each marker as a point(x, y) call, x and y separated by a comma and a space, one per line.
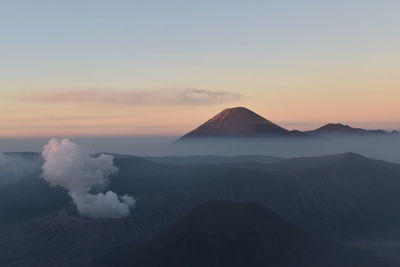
point(230, 234)
point(345, 198)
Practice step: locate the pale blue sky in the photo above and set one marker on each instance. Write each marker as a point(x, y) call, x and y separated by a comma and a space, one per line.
point(274, 54)
point(66, 43)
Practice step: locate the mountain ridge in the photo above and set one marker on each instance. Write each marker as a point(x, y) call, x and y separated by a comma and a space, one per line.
point(241, 122)
point(238, 234)
point(343, 129)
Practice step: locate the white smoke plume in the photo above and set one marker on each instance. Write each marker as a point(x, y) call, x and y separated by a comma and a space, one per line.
point(73, 167)
point(107, 205)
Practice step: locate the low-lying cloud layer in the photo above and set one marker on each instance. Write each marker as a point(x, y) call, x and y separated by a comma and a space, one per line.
point(188, 96)
point(384, 147)
point(14, 167)
point(74, 168)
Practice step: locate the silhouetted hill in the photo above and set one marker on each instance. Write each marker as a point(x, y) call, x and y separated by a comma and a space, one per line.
point(229, 234)
point(341, 129)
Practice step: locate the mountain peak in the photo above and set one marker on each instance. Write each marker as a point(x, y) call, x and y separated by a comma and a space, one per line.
point(340, 129)
point(237, 109)
point(337, 125)
point(239, 115)
point(237, 122)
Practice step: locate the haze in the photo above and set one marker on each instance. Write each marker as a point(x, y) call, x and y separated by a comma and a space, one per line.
point(385, 148)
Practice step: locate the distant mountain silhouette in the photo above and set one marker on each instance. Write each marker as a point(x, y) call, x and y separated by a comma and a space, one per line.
point(342, 129)
point(231, 234)
point(242, 122)
point(239, 122)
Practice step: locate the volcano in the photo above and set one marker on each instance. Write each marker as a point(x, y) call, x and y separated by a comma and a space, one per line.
point(238, 122)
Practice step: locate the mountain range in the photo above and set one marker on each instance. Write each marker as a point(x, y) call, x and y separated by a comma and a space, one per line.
point(240, 122)
point(342, 198)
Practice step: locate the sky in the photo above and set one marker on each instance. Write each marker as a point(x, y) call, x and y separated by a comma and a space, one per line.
point(134, 68)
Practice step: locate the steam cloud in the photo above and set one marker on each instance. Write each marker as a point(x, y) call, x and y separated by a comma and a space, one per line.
point(71, 166)
point(107, 205)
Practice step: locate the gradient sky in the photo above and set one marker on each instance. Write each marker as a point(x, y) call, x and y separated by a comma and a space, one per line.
point(89, 68)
